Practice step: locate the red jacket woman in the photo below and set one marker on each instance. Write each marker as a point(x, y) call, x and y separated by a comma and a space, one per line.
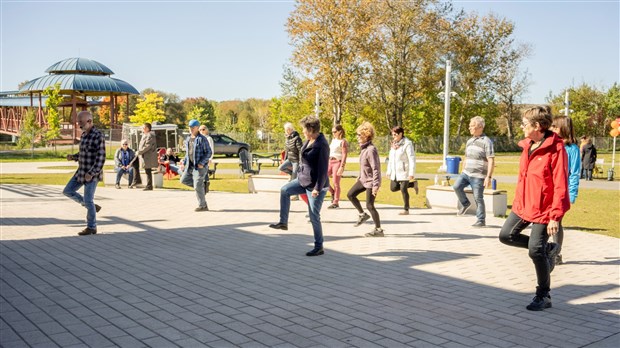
point(541, 199)
point(542, 187)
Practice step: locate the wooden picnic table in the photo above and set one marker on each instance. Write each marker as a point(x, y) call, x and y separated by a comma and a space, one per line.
point(274, 158)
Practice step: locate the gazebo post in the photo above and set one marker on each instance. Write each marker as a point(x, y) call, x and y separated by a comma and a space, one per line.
point(40, 117)
point(112, 111)
point(73, 116)
point(127, 105)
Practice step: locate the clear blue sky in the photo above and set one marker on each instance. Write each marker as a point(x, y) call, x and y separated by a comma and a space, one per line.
point(236, 50)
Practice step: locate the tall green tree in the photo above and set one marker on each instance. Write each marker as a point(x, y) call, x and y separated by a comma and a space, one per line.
point(481, 47)
point(54, 98)
point(588, 105)
point(30, 131)
point(326, 37)
point(405, 35)
point(206, 114)
point(149, 109)
point(612, 102)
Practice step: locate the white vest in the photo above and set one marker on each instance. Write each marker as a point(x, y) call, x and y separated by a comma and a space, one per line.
point(401, 163)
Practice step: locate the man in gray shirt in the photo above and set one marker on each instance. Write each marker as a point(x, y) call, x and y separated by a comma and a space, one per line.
point(477, 170)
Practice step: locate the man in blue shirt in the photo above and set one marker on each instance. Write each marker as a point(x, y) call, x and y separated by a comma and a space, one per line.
point(123, 159)
point(194, 165)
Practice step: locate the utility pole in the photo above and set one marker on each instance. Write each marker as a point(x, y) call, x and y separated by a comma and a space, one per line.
point(317, 103)
point(566, 104)
point(446, 116)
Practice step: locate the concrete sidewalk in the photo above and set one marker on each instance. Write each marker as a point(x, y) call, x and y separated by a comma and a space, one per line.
point(159, 274)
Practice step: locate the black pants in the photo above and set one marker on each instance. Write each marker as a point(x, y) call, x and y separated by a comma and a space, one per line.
point(558, 238)
point(403, 187)
point(536, 243)
point(149, 177)
point(370, 201)
point(136, 170)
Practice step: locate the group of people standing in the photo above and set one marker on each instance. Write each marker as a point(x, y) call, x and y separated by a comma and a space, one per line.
point(548, 179)
point(91, 159)
point(313, 163)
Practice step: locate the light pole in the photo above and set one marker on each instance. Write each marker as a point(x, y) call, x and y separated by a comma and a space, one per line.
point(317, 103)
point(446, 116)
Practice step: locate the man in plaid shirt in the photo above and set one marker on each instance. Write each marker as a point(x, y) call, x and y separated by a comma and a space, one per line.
point(195, 164)
point(90, 158)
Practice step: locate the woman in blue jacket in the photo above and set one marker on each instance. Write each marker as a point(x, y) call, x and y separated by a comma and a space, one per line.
point(563, 126)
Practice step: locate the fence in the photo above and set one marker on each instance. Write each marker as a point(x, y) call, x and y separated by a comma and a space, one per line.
point(273, 143)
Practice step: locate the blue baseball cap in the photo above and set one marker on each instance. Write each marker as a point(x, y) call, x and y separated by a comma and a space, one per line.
point(194, 123)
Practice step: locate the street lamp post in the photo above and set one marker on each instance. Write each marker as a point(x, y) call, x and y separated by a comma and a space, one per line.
point(446, 116)
point(317, 104)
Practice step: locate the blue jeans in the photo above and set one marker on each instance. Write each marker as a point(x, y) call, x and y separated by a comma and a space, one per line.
point(289, 168)
point(314, 207)
point(86, 201)
point(120, 172)
point(477, 187)
point(536, 243)
point(195, 177)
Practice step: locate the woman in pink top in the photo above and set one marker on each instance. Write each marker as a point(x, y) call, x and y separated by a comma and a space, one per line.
point(338, 150)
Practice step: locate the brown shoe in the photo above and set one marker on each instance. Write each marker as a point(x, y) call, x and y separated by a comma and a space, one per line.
point(404, 212)
point(87, 231)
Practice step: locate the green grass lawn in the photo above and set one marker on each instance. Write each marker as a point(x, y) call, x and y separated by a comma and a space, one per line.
point(595, 211)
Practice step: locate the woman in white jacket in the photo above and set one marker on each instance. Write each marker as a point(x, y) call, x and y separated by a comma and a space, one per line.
point(401, 165)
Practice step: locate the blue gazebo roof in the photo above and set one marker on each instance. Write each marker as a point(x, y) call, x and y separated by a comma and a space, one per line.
point(79, 66)
point(81, 75)
point(84, 84)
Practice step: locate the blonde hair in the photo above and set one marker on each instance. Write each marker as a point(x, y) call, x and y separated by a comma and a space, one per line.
point(367, 130)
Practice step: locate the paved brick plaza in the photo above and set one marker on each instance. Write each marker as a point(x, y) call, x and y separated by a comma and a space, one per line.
point(160, 275)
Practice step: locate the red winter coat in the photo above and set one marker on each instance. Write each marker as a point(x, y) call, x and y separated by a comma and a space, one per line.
point(542, 188)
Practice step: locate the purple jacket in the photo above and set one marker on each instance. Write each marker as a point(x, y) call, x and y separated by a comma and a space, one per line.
point(370, 167)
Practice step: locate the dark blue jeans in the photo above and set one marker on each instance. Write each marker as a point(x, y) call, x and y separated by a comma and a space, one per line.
point(536, 243)
point(314, 207)
point(120, 172)
point(477, 187)
point(87, 200)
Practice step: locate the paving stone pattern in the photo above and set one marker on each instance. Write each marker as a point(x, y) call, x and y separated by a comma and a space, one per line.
point(159, 274)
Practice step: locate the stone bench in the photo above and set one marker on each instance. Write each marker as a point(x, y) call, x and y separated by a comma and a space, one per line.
point(495, 201)
point(109, 178)
point(266, 183)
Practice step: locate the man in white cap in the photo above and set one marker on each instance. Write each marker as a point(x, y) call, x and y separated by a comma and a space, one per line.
point(194, 165)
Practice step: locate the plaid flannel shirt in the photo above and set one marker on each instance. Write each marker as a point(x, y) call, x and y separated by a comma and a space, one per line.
point(91, 157)
point(202, 151)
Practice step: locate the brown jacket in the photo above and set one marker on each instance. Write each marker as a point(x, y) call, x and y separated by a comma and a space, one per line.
point(147, 150)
